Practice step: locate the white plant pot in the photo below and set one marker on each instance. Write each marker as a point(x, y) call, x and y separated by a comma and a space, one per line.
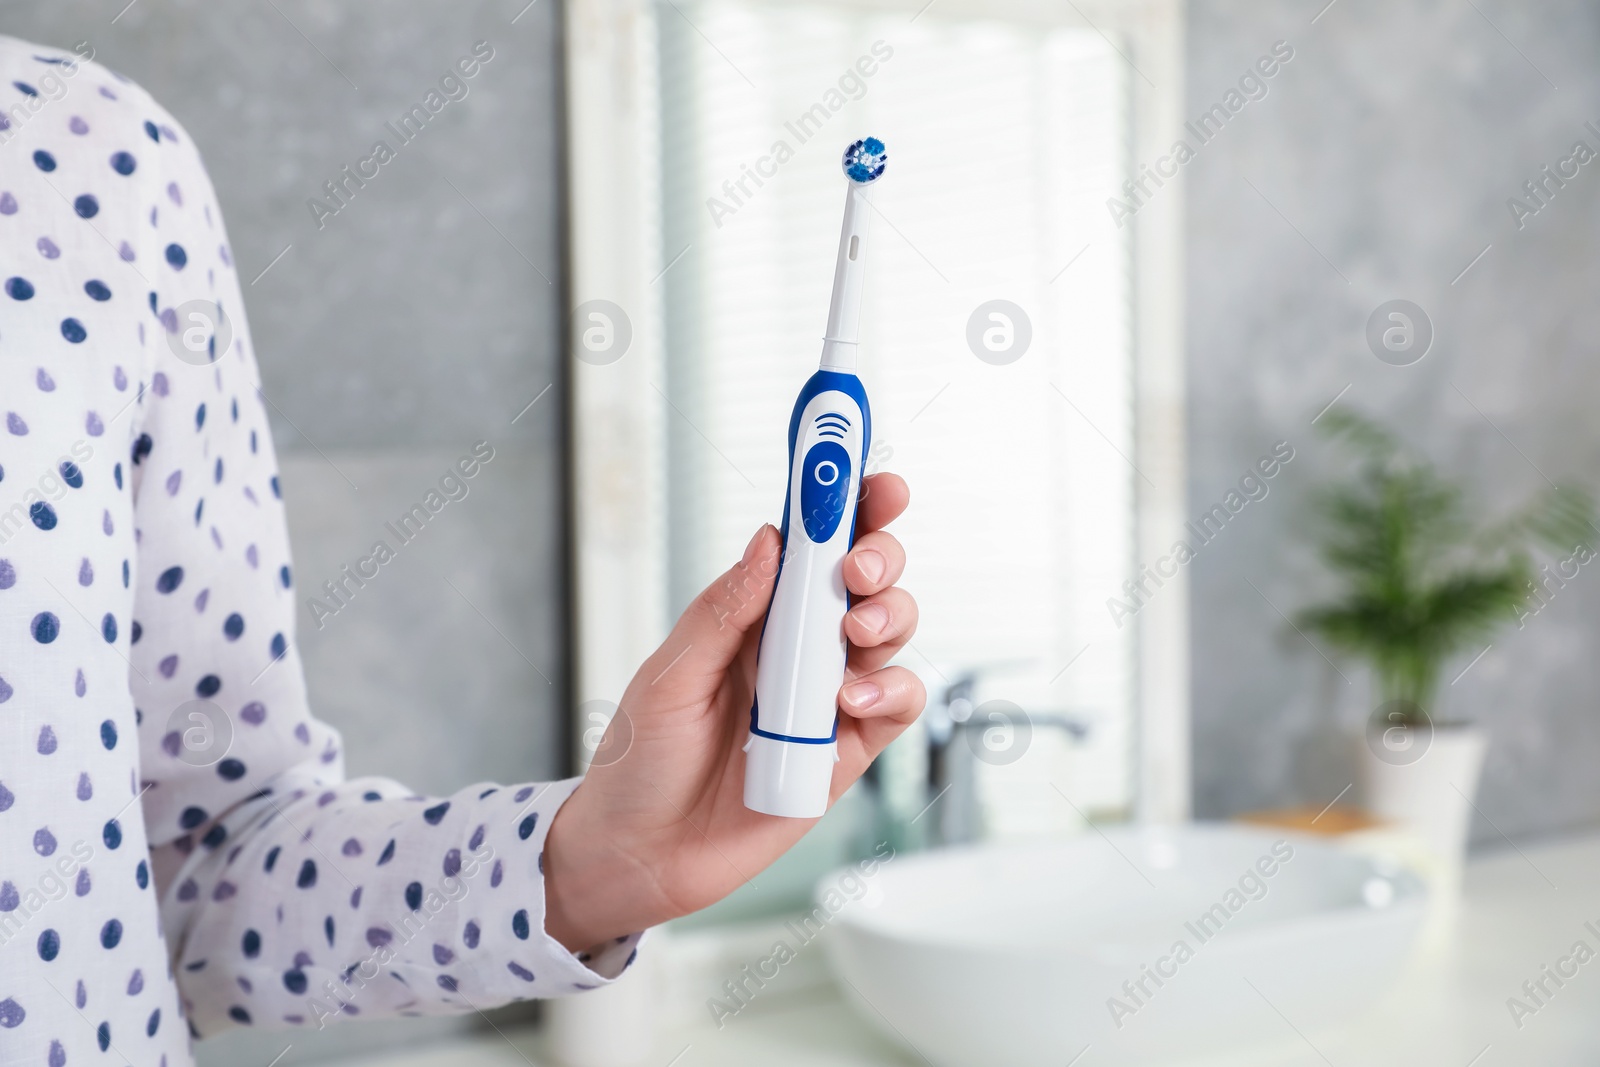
point(1432, 794)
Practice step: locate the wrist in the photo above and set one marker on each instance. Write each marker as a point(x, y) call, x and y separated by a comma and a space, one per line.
point(588, 886)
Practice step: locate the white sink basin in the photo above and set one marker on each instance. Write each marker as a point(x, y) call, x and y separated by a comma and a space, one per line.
point(1018, 955)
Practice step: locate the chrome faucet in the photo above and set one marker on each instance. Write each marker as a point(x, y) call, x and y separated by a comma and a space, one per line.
point(952, 767)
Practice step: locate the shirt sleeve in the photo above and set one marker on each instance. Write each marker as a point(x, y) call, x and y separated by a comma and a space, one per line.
point(289, 895)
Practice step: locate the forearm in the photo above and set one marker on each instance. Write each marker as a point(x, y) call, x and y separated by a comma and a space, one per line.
point(363, 899)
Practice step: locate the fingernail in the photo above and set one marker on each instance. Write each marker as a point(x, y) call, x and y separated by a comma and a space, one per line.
point(755, 539)
point(862, 695)
point(873, 616)
point(872, 564)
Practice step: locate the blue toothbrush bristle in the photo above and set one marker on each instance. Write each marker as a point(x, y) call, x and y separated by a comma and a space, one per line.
point(864, 161)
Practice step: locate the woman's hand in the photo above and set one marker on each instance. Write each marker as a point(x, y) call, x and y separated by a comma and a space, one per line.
point(663, 831)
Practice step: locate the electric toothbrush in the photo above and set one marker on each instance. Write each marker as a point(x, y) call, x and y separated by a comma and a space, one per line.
point(794, 717)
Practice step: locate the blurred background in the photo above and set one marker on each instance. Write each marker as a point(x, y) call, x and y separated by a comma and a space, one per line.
point(1085, 346)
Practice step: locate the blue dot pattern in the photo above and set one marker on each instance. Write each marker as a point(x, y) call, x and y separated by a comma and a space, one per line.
point(144, 566)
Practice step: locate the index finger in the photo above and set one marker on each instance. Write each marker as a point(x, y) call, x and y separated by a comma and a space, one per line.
point(883, 497)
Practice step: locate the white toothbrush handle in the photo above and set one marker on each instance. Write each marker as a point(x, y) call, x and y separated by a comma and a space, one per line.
point(793, 720)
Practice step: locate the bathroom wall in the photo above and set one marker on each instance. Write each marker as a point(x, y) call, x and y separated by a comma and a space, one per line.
point(1378, 167)
point(417, 320)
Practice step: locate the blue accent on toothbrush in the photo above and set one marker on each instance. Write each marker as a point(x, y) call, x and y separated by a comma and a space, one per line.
point(820, 382)
point(822, 489)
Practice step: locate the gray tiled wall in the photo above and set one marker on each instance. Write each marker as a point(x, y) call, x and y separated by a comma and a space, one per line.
point(419, 319)
point(1378, 166)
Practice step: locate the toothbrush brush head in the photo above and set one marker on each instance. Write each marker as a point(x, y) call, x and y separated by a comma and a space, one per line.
point(865, 160)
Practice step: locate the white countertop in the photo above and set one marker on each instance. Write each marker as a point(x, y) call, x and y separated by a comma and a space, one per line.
point(1523, 909)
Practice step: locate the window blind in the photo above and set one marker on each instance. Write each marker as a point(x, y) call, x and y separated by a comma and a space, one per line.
point(1004, 140)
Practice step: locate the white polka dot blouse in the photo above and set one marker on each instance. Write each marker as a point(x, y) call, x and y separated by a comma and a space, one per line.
point(179, 849)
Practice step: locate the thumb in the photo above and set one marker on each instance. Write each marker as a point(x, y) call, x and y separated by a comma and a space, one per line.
point(712, 629)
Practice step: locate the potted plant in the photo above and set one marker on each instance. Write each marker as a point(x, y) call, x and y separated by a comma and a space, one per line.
point(1424, 580)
